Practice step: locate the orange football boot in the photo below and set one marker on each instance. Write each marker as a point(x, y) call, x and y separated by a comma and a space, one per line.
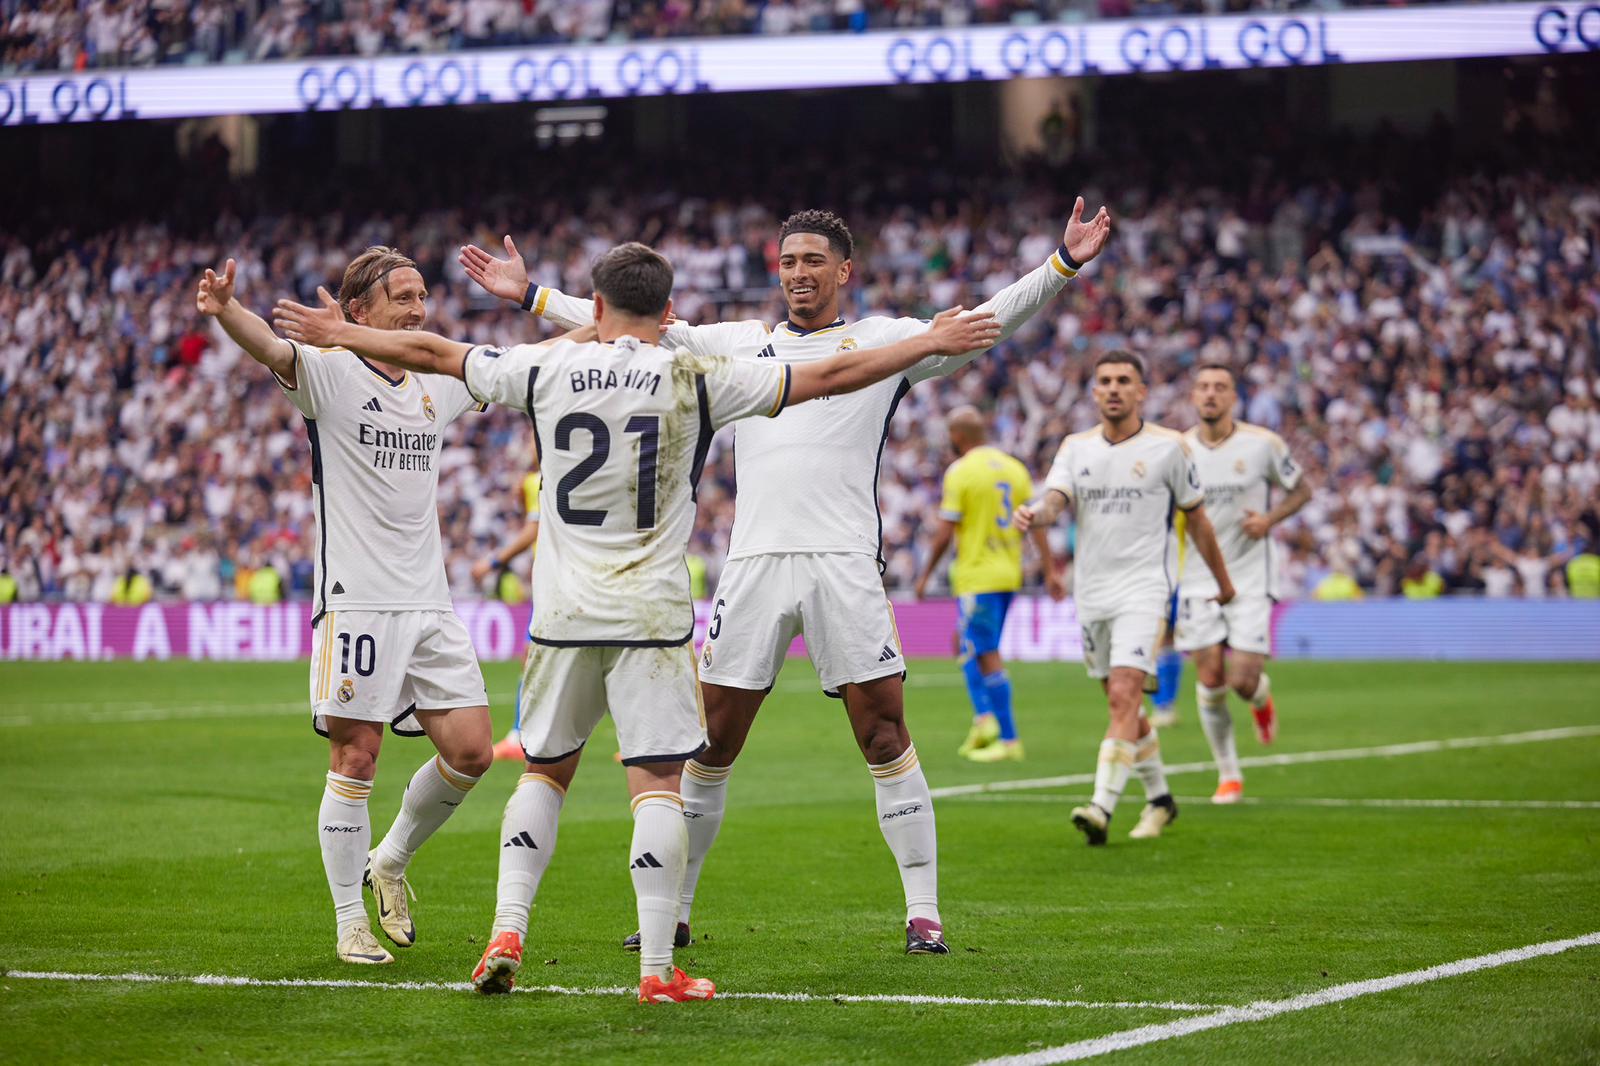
point(497, 970)
point(1266, 722)
point(1228, 792)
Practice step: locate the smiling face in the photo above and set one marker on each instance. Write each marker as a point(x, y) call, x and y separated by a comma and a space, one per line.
point(399, 300)
point(810, 272)
point(1119, 391)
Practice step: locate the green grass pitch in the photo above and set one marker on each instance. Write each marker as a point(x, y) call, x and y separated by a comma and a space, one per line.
point(160, 819)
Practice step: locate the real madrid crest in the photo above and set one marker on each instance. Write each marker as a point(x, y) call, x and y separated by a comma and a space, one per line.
point(347, 690)
point(847, 345)
point(1238, 466)
point(427, 406)
point(705, 657)
point(1138, 468)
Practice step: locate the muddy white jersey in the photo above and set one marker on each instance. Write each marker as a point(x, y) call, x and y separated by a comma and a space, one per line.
point(375, 440)
point(808, 479)
point(1239, 475)
point(1124, 496)
point(622, 430)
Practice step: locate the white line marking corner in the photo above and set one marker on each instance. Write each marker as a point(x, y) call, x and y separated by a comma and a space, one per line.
point(1264, 1009)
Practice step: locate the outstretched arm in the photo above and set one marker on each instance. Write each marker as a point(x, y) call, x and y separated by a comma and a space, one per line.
point(955, 330)
point(326, 327)
point(508, 279)
point(1016, 303)
point(246, 328)
point(1205, 542)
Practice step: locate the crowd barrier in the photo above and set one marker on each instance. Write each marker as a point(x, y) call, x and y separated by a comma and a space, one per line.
point(1038, 630)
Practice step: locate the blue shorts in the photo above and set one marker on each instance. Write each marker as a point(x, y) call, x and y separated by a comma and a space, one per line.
point(983, 617)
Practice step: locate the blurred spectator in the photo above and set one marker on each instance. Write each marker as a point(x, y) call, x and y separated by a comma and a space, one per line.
point(1440, 391)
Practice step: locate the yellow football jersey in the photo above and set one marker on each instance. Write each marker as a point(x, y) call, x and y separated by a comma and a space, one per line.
point(980, 491)
point(530, 496)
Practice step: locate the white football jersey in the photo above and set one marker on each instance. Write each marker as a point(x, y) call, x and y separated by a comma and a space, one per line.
point(375, 441)
point(622, 430)
point(1124, 496)
point(808, 480)
point(1239, 475)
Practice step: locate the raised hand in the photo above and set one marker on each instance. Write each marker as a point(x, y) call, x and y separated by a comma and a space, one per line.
point(1085, 240)
point(317, 326)
point(957, 330)
point(216, 291)
point(506, 278)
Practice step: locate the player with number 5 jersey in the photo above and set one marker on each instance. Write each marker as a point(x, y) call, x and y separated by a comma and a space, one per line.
point(387, 649)
point(805, 555)
point(622, 426)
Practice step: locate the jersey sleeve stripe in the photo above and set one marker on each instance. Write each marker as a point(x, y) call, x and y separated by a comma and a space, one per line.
point(1058, 261)
point(702, 445)
point(783, 391)
point(295, 365)
point(544, 298)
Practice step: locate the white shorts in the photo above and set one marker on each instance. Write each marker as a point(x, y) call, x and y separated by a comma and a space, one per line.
point(836, 600)
point(1243, 625)
point(1131, 639)
point(380, 666)
point(652, 694)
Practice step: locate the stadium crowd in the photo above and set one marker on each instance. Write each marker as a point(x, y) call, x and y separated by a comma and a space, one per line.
point(1438, 381)
point(79, 34)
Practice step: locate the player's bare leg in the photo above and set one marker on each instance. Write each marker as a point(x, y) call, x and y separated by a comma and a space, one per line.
point(345, 831)
point(659, 852)
point(1245, 676)
point(1216, 721)
point(527, 844)
point(464, 738)
point(905, 806)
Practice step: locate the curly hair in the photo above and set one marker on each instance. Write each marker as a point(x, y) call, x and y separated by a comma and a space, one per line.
point(823, 224)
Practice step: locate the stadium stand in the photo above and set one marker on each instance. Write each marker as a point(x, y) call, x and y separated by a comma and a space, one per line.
point(1423, 335)
point(37, 35)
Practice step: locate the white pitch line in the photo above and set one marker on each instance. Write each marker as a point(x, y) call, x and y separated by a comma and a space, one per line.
point(1302, 801)
point(1264, 1009)
point(1293, 758)
point(225, 981)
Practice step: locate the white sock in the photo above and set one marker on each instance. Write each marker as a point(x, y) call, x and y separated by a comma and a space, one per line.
point(433, 795)
point(1111, 773)
point(1263, 692)
point(660, 850)
point(346, 834)
point(705, 796)
point(1147, 764)
point(1217, 723)
point(527, 843)
point(905, 815)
